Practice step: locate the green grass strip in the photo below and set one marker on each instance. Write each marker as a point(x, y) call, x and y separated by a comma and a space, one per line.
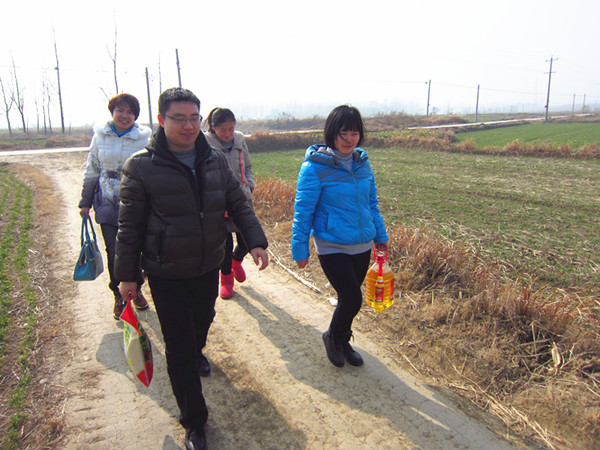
point(574, 134)
point(14, 250)
point(7, 244)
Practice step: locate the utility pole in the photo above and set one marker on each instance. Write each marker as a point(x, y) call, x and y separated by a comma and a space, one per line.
point(178, 68)
point(428, 83)
point(573, 108)
point(477, 105)
point(549, 79)
point(583, 107)
point(149, 103)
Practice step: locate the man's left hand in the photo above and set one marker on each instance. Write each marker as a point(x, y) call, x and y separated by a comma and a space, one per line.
point(261, 257)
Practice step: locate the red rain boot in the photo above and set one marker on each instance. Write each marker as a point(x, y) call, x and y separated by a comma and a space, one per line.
point(238, 270)
point(226, 286)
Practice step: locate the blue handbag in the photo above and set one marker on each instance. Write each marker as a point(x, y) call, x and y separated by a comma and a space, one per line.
point(89, 264)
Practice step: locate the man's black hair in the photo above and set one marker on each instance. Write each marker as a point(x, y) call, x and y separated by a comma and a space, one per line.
point(175, 95)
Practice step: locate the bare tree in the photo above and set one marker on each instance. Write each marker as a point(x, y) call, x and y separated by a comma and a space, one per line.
point(18, 97)
point(107, 95)
point(8, 104)
point(48, 102)
point(47, 90)
point(37, 115)
point(49, 117)
point(159, 76)
point(44, 112)
point(149, 102)
point(62, 117)
point(113, 58)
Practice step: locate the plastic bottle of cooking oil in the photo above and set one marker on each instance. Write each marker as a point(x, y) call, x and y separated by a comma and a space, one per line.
point(380, 284)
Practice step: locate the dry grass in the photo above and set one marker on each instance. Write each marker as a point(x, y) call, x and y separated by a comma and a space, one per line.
point(45, 401)
point(388, 131)
point(264, 142)
point(274, 197)
point(530, 357)
point(37, 141)
point(446, 141)
point(379, 122)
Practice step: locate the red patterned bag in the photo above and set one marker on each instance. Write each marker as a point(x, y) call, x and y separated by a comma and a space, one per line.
point(138, 349)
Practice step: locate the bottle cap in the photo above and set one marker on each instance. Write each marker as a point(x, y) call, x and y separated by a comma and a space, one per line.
point(380, 257)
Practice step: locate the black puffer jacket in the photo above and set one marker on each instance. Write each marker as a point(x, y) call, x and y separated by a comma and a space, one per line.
point(174, 216)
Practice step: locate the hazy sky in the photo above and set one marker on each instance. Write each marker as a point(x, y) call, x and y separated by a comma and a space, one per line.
point(264, 57)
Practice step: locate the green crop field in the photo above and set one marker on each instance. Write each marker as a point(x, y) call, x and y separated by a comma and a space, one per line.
point(541, 216)
point(16, 221)
point(574, 134)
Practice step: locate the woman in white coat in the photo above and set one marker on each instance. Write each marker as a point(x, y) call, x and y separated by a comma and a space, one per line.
point(111, 145)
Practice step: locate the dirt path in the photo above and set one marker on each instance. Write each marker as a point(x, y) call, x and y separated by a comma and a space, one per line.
point(272, 385)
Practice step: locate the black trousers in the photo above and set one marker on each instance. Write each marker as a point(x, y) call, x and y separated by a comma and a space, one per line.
point(109, 234)
point(240, 251)
point(345, 273)
point(186, 309)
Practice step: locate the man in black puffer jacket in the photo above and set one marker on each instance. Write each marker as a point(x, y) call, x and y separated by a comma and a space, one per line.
point(174, 196)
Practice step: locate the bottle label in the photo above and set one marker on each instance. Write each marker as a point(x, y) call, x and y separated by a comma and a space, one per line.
point(379, 289)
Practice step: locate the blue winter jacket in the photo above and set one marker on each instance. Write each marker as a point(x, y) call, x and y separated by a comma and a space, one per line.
point(334, 204)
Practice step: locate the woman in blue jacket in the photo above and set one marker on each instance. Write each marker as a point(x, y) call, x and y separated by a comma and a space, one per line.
point(336, 202)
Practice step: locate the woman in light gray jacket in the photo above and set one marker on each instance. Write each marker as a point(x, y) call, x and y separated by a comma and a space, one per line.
point(221, 135)
point(111, 145)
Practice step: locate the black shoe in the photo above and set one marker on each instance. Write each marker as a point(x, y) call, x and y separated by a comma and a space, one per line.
point(195, 440)
point(333, 347)
point(351, 355)
point(203, 365)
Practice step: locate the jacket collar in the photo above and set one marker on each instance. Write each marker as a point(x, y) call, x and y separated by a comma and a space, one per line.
point(322, 154)
point(136, 131)
point(158, 146)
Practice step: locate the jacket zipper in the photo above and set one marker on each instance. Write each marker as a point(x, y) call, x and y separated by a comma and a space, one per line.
point(199, 191)
point(357, 197)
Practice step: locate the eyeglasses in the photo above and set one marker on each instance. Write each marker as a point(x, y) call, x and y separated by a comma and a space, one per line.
point(180, 120)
